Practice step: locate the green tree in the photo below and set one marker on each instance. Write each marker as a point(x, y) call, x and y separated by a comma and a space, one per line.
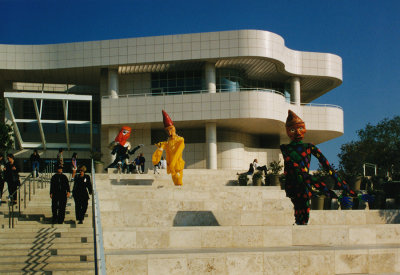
point(379, 144)
point(6, 132)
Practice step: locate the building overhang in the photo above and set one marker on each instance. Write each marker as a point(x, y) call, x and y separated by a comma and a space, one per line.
point(261, 54)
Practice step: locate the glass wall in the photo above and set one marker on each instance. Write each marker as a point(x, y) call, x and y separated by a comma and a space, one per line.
point(227, 80)
point(171, 82)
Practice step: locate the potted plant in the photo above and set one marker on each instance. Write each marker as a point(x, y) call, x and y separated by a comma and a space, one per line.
point(98, 164)
point(318, 201)
point(275, 167)
point(257, 178)
point(355, 182)
point(243, 179)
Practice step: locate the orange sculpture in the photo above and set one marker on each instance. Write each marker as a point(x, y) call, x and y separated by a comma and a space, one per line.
point(173, 148)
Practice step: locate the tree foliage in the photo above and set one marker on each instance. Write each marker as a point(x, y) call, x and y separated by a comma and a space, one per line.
point(379, 144)
point(6, 132)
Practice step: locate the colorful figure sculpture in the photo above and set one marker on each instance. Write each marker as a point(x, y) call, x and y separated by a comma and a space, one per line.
point(122, 147)
point(300, 185)
point(173, 148)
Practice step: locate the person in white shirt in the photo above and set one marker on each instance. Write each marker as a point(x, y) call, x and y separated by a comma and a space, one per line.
point(163, 163)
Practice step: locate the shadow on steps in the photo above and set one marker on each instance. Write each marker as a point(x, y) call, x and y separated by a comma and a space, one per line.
point(195, 218)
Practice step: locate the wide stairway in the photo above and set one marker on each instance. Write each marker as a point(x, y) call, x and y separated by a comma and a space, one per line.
point(35, 246)
point(211, 226)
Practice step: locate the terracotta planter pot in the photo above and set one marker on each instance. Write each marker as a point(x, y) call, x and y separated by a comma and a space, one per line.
point(347, 208)
point(355, 183)
point(317, 203)
point(274, 180)
point(257, 182)
point(98, 167)
point(378, 203)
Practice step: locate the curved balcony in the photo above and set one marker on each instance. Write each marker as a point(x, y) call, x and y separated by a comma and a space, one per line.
point(254, 111)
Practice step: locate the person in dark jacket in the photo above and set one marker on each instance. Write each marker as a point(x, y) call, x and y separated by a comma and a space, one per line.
point(142, 162)
point(59, 192)
point(82, 185)
point(2, 168)
point(11, 176)
point(35, 161)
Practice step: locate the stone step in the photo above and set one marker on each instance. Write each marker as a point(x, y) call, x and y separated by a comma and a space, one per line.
point(161, 205)
point(6, 235)
point(86, 223)
point(234, 192)
point(46, 239)
point(249, 236)
point(31, 267)
point(243, 218)
point(46, 245)
point(45, 259)
point(58, 228)
point(65, 271)
point(47, 252)
point(363, 259)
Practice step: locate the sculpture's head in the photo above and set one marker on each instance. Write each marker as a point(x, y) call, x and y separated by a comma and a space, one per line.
point(295, 127)
point(123, 135)
point(168, 124)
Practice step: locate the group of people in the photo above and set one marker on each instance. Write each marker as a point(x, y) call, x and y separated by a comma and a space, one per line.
point(162, 164)
point(254, 166)
point(136, 166)
point(60, 191)
point(9, 173)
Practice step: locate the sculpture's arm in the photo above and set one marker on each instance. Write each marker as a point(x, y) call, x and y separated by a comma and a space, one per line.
point(325, 164)
point(155, 159)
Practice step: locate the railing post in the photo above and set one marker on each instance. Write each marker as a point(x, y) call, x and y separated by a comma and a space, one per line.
point(29, 191)
point(19, 202)
point(12, 214)
point(25, 195)
point(9, 215)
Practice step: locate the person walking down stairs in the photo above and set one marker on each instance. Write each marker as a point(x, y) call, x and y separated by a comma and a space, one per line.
point(1, 177)
point(59, 192)
point(82, 185)
point(11, 176)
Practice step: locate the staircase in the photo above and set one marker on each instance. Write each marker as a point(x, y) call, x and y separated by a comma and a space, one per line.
point(35, 245)
point(211, 226)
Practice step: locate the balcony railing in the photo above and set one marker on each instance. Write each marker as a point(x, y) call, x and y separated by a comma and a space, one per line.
point(161, 93)
point(217, 91)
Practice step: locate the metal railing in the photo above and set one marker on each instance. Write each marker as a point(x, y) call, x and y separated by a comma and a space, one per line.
point(31, 184)
point(99, 257)
point(152, 94)
point(161, 93)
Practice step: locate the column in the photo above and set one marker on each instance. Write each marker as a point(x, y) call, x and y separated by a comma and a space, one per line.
point(113, 83)
point(210, 77)
point(295, 90)
point(211, 141)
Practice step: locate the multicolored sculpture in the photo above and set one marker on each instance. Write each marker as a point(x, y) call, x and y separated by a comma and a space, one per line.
point(300, 185)
point(122, 147)
point(173, 148)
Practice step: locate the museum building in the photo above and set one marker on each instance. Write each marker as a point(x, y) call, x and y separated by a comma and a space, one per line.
point(228, 94)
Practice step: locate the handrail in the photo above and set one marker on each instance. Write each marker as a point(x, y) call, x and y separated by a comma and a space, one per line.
point(44, 177)
point(320, 105)
point(99, 258)
point(220, 91)
point(196, 92)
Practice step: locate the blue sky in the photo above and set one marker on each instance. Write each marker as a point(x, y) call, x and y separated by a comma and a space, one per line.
point(366, 34)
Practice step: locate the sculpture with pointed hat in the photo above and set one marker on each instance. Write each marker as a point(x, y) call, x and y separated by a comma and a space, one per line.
point(173, 149)
point(299, 184)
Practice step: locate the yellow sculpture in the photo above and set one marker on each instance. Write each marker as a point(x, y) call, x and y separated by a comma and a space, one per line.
point(173, 148)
